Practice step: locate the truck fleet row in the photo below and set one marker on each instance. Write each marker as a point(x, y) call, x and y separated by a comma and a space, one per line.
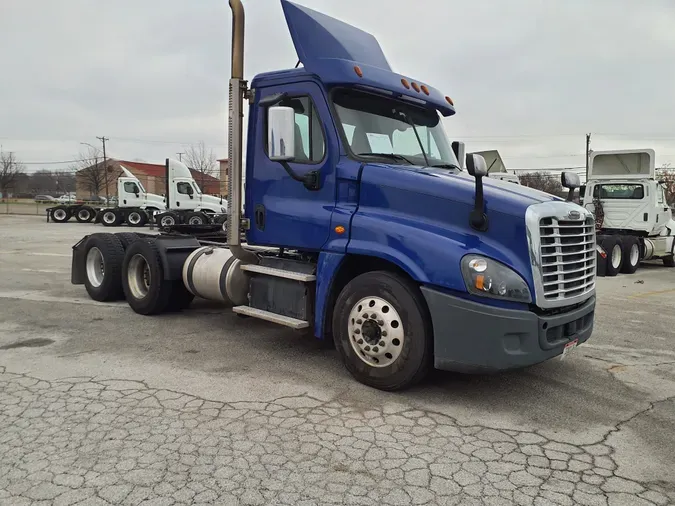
point(361, 225)
point(182, 202)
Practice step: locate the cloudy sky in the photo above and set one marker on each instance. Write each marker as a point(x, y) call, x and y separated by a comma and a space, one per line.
point(528, 77)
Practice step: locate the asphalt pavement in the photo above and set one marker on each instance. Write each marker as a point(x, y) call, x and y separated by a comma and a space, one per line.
point(99, 405)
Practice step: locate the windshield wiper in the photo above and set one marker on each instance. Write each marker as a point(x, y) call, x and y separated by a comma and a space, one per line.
point(445, 166)
point(393, 156)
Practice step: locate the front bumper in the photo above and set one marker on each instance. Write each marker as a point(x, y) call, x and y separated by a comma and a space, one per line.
point(473, 337)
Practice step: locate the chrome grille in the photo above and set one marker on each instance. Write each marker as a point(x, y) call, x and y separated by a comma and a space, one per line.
point(567, 255)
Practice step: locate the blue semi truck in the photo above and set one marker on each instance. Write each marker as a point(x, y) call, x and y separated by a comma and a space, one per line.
point(362, 223)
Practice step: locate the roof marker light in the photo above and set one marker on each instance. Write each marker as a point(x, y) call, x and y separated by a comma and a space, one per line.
point(425, 89)
point(449, 101)
point(358, 71)
point(405, 84)
point(416, 87)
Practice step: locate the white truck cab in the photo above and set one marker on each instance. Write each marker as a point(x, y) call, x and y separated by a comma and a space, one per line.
point(630, 207)
point(131, 193)
point(185, 194)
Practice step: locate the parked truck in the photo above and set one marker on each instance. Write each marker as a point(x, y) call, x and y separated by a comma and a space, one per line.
point(634, 222)
point(135, 206)
point(361, 227)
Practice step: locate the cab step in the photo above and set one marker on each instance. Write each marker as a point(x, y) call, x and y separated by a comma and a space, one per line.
point(261, 314)
point(278, 273)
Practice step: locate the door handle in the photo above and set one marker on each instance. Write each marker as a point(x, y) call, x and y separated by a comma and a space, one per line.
point(260, 217)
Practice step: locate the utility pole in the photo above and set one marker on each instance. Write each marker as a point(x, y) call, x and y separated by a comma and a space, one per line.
point(105, 168)
point(588, 153)
point(180, 156)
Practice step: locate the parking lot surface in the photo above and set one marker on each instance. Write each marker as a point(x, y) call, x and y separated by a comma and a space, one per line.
point(99, 405)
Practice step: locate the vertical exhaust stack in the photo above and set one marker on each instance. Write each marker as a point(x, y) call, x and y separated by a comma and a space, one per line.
point(235, 123)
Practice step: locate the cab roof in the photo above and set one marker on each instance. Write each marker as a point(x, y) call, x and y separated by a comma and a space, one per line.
point(339, 53)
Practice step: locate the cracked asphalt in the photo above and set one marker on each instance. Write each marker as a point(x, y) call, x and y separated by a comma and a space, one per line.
point(99, 405)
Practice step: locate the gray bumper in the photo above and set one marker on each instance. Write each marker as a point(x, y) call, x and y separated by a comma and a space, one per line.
point(472, 337)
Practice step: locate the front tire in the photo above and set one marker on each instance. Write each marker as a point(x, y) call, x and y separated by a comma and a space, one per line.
point(382, 331)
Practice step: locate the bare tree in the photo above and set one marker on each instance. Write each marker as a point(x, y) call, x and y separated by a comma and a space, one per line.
point(667, 176)
point(11, 170)
point(542, 181)
point(202, 160)
point(91, 174)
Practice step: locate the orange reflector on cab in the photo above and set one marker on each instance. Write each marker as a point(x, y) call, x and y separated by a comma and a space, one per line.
point(339, 229)
point(358, 71)
point(425, 89)
point(449, 101)
point(479, 281)
point(416, 87)
point(405, 84)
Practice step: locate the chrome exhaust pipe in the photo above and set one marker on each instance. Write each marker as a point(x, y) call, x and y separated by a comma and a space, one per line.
point(237, 90)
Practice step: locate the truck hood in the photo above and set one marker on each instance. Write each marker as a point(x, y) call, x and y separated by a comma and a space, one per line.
point(459, 187)
point(158, 200)
point(212, 201)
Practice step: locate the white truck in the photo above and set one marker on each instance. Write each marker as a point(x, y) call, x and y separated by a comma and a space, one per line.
point(185, 201)
point(633, 220)
point(136, 207)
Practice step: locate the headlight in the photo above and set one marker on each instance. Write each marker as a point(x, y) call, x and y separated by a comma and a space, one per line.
point(489, 278)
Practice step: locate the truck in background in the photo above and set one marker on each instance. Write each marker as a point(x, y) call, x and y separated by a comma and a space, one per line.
point(136, 207)
point(361, 227)
point(634, 222)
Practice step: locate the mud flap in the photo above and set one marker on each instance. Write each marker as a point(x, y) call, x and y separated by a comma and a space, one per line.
point(77, 268)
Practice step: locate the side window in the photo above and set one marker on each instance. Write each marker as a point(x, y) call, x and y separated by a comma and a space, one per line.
point(310, 145)
point(185, 188)
point(130, 187)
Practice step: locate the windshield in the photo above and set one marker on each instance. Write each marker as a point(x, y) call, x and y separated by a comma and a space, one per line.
point(619, 191)
point(376, 125)
point(199, 192)
point(141, 186)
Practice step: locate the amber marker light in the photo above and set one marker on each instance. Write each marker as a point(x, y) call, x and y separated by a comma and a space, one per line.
point(405, 84)
point(358, 71)
point(425, 89)
point(449, 101)
point(416, 87)
point(339, 230)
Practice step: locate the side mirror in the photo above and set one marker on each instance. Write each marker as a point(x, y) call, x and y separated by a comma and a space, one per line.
point(281, 133)
point(459, 148)
point(477, 167)
point(572, 181)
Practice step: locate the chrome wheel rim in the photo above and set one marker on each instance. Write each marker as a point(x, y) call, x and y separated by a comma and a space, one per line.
point(376, 331)
point(634, 254)
point(138, 276)
point(95, 266)
point(59, 214)
point(616, 256)
point(134, 218)
point(109, 217)
point(196, 220)
point(167, 221)
point(83, 214)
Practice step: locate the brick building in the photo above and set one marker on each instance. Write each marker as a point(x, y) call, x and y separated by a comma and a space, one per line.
point(92, 180)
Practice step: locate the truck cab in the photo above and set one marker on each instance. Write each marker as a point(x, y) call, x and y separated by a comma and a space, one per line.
point(359, 224)
point(131, 193)
point(185, 194)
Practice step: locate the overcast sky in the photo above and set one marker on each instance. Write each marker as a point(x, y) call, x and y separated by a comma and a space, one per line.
point(528, 77)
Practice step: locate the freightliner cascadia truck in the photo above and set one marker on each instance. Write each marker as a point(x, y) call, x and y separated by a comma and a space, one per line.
point(359, 224)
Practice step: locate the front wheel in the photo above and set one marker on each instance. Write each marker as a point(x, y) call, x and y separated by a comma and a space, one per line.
point(382, 331)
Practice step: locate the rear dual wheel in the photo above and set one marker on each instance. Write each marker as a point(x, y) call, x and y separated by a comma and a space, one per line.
point(61, 214)
point(111, 218)
point(103, 255)
point(143, 283)
point(85, 214)
point(137, 218)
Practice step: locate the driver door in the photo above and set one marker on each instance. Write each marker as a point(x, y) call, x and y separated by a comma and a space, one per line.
point(282, 211)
